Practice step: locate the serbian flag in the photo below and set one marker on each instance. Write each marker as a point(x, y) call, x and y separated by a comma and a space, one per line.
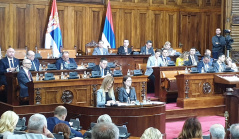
point(53, 33)
point(108, 36)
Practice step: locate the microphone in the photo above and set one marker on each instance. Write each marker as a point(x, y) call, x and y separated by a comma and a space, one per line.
point(78, 115)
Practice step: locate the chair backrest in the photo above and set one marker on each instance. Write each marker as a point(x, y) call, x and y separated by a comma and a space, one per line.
point(179, 50)
point(181, 72)
point(20, 53)
point(168, 74)
point(44, 52)
point(89, 47)
point(142, 66)
point(72, 52)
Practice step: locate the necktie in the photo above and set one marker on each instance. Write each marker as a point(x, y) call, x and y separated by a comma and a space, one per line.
point(11, 64)
point(206, 67)
point(102, 72)
point(33, 66)
point(29, 75)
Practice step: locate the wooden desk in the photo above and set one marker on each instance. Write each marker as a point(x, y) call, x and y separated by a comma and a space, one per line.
point(77, 91)
point(158, 90)
point(138, 118)
point(197, 90)
point(125, 61)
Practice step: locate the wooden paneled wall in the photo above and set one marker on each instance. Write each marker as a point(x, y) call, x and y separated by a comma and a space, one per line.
point(189, 22)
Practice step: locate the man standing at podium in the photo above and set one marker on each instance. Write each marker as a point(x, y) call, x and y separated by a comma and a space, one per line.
point(24, 76)
point(7, 64)
point(35, 62)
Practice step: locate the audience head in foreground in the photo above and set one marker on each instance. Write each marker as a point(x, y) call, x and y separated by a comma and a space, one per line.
point(191, 129)
point(60, 112)
point(104, 118)
point(234, 129)
point(65, 129)
point(217, 131)
point(151, 133)
point(105, 130)
point(8, 123)
point(37, 124)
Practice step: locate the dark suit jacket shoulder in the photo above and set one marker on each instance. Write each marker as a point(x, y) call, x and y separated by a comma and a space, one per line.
point(190, 60)
point(121, 50)
point(52, 121)
point(60, 60)
point(143, 50)
point(123, 95)
point(97, 68)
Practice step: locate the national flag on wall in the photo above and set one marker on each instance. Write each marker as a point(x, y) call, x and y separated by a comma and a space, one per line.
point(108, 35)
point(53, 34)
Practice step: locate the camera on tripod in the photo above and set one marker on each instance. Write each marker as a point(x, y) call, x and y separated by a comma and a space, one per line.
point(228, 39)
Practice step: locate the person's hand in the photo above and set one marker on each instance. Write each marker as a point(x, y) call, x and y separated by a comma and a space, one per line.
point(11, 69)
point(47, 133)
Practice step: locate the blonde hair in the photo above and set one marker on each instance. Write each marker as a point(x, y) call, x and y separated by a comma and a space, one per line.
point(106, 82)
point(184, 54)
point(151, 133)
point(8, 121)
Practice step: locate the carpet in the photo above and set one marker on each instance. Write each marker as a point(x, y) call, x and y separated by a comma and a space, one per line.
point(174, 128)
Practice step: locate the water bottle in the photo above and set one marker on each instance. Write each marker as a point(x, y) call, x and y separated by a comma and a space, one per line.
point(186, 70)
point(61, 66)
point(17, 68)
point(48, 56)
point(84, 76)
point(62, 75)
point(202, 70)
point(40, 68)
point(128, 73)
point(37, 77)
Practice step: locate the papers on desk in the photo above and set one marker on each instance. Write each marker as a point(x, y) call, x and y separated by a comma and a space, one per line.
point(232, 78)
point(137, 103)
point(81, 67)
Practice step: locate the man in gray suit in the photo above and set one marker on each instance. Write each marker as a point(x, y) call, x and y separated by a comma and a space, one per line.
point(100, 50)
point(37, 129)
point(153, 61)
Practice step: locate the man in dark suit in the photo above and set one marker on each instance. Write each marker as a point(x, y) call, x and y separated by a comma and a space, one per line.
point(102, 67)
point(24, 76)
point(220, 66)
point(192, 58)
point(65, 61)
point(147, 49)
point(218, 44)
point(165, 57)
point(204, 64)
point(7, 64)
point(60, 114)
point(35, 62)
point(208, 53)
point(124, 50)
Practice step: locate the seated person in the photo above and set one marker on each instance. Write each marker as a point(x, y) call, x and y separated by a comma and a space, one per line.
point(234, 130)
point(219, 65)
point(208, 52)
point(217, 131)
point(127, 92)
point(105, 130)
point(65, 129)
point(192, 58)
point(151, 133)
point(60, 114)
point(100, 50)
point(153, 61)
point(104, 118)
point(124, 50)
point(182, 58)
point(65, 61)
point(102, 67)
point(165, 57)
point(204, 65)
point(35, 61)
point(231, 65)
point(8, 123)
point(191, 129)
point(37, 129)
point(168, 47)
point(147, 49)
point(105, 95)
point(24, 76)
